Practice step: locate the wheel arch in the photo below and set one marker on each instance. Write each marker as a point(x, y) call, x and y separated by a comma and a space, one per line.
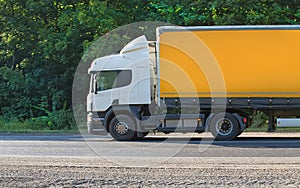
point(131, 111)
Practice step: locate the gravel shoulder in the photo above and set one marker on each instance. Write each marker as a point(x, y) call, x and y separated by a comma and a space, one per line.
point(69, 161)
point(32, 171)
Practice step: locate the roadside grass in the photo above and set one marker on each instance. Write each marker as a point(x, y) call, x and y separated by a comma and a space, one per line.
point(29, 126)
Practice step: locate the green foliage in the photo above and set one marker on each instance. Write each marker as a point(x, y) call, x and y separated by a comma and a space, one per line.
point(13, 93)
point(57, 120)
point(260, 120)
point(42, 42)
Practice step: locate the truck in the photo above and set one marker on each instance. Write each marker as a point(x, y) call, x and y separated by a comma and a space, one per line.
point(196, 79)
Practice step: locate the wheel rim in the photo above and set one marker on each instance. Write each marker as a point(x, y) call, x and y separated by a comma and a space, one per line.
point(224, 127)
point(122, 127)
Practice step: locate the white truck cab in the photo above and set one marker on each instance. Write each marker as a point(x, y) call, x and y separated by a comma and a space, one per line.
point(119, 80)
point(122, 78)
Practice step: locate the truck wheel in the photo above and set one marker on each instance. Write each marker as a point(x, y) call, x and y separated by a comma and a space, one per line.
point(122, 128)
point(142, 135)
point(145, 134)
point(224, 126)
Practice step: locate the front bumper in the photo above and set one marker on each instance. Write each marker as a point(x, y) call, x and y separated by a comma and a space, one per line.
point(95, 125)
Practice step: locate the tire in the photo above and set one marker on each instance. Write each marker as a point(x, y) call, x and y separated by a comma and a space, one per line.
point(145, 134)
point(142, 135)
point(122, 128)
point(224, 126)
point(240, 133)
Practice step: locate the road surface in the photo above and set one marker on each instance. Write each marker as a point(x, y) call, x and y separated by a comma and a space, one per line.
point(254, 159)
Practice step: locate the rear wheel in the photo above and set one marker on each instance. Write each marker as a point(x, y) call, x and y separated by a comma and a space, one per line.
point(122, 128)
point(224, 126)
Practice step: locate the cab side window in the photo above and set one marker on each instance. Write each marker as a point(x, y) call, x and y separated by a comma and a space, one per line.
point(106, 80)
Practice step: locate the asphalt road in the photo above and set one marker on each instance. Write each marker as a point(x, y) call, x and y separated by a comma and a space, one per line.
point(178, 145)
point(253, 160)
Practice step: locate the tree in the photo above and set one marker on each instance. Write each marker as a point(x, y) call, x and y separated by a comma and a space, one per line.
point(42, 42)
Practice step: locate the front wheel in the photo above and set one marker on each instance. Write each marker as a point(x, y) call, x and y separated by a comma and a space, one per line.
point(122, 128)
point(224, 126)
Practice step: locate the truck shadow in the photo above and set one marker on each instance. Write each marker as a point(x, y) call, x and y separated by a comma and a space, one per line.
point(243, 142)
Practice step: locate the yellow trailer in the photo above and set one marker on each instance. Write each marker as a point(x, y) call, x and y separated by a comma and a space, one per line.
point(247, 68)
point(232, 61)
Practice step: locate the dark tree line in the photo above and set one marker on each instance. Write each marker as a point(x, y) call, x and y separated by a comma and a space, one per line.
point(42, 42)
